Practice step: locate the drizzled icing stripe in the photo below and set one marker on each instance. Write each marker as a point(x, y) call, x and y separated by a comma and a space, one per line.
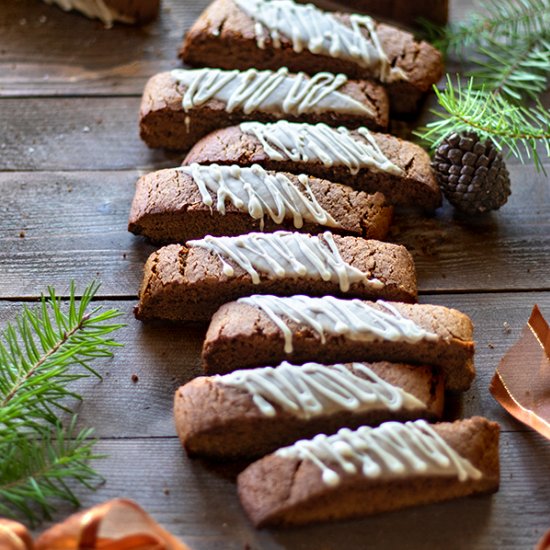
point(321, 33)
point(392, 450)
point(92, 9)
point(254, 90)
point(284, 254)
point(259, 193)
point(312, 389)
point(354, 319)
point(331, 146)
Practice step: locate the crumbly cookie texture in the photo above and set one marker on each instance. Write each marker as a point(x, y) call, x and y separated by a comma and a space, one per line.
point(265, 330)
point(180, 107)
point(241, 35)
point(369, 471)
point(176, 205)
point(189, 283)
point(250, 413)
point(371, 162)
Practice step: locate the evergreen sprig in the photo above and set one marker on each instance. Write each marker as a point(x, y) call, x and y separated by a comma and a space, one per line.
point(40, 455)
point(491, 116)
point(502, 20)
point(517, 70)
point(509, 44)
point(36, 471)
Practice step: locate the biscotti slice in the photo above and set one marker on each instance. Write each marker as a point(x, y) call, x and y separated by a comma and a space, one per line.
point(249, 413)
point(364, 160)
point(177, 205)
point(265, 330)
point(131, 12)
point(371, 470)
point(180, 107)
point(189, 283)
point(268, 34)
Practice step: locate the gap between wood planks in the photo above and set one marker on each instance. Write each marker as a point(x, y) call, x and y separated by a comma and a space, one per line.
point(423, 293)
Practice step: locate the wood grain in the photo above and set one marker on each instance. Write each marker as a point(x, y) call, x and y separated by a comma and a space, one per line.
point(200, 505)
point(76, 221)
point(69, 157)
point(77, 56)
point(72, 225)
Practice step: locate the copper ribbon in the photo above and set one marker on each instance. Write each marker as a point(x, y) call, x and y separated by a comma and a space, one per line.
point(544, 542)
point(14, 536)
point(118, 524)
point(521, 383)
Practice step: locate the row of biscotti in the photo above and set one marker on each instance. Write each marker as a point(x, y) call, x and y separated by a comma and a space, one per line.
point(259, 170)
point(198, 200)
point(315, 136)
point(338, 474)
point(246, 414)
point(268, 34)
point(251, 412)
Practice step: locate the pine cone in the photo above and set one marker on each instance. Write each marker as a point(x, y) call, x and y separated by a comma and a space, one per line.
point(471, 174)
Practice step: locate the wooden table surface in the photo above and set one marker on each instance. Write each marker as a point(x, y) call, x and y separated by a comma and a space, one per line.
point(69, 157)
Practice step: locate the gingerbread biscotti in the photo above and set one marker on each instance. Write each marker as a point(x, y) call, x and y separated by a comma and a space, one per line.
point(189, 283)
point(250, 413)
point(267, 34)
point(265, 330)
point(364, 160)
point(177, 205)
point(371, 470)
point(180, 107)
point(131, 12)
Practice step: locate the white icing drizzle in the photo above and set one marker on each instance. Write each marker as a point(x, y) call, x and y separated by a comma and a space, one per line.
point(254, 90)
point(321, 33)
point(284, 254)
point(356, 320)
point(331, 146)
point(94, 9)
point(393, 450)
point(312, 389)
point(259, 193)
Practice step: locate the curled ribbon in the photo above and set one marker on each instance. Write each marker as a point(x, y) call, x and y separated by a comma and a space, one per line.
point(521, 383)
point(544, 542)
point(118, 524)
point(14, 536)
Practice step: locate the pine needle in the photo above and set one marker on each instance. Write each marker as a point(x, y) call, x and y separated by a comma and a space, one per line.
point(510, 45)
point(38, 353)
point(492, 116)
point(503, 20)
point(34, 471)
point(517, 71)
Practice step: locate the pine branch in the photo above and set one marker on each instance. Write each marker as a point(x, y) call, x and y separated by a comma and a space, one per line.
point(517, 70)
point(37, 356)
point(504, 20)
point(491, 116)
point(35, 471)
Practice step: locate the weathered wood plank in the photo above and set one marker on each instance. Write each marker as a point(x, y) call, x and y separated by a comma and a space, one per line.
point(502, 250)
point(166, 356)
point(44, 51)
point(202, 507)
point(70, 225)
point(93, 133)
point(58, 227)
